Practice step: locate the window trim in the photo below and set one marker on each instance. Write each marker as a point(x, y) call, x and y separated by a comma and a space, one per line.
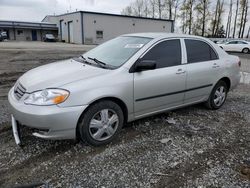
point(132, 68)
point(20, 32)
point(162, 42)
point(98, 34)
point(201, 40)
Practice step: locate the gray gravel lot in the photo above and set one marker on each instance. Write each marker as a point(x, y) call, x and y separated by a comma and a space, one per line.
point(190, 147)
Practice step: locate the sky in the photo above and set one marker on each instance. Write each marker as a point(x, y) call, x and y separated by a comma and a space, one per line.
point(36, 10)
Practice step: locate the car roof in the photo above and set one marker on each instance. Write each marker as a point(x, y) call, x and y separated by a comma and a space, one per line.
point(238, 41)
point(158, 35)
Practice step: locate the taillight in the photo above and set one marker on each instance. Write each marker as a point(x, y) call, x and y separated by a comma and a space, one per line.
point(239, 63)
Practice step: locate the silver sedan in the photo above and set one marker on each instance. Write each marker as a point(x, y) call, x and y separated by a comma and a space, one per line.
point(130, 77)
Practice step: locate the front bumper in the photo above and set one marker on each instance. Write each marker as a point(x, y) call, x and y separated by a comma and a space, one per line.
point(60, 122)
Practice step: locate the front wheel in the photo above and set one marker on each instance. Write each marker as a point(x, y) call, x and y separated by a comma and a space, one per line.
point(245, 50)
point(101, 123)
point(218, 96)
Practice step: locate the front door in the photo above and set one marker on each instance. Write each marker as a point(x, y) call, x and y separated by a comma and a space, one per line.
point(163, 87)
point(34, 35)
point(70, 32)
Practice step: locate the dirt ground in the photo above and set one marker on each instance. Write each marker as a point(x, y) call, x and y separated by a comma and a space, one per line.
point(190, 147)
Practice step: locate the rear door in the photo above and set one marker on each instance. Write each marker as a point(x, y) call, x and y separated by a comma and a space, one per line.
point(241, 46)
point(203, 70)
point(161, 88)
point(231, 46)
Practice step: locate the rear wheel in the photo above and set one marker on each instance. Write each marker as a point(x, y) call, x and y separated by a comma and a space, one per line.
point(101, 123)
point(218, 96)
point(245, 50)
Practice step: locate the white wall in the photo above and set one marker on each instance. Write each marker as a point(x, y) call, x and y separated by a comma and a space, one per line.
point(113, 26)
point(75, 18)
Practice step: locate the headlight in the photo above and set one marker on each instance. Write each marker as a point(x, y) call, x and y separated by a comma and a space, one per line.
point(47, 97)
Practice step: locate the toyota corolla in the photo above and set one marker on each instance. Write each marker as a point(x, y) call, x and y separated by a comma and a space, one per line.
point(132, 76)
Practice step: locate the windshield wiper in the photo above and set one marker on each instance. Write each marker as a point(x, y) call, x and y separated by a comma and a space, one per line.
point(83, 59)
point(98, 61)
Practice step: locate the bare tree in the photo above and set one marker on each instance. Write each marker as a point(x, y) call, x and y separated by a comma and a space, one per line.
point(176, 6)
point(242, 12)
point(160, 6)
point(128, 11)
point(172, 6)
point(217, 21)
point(137, 8)
point(190, 8)
point(183, 16)
point(228, 29)
point(235, 19)
point(202, 13)
point(152, 5)
point(248, 33)
point(245, 19)
point(214, 21)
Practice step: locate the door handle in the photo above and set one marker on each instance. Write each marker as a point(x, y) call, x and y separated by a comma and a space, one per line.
point(215, 65)
point(180, 71)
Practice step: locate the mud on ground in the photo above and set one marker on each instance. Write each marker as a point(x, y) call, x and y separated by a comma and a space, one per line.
point(190, 147)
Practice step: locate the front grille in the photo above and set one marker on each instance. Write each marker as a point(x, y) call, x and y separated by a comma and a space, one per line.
point(19, 91)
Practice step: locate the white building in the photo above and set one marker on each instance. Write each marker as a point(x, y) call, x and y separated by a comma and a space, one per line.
point(94, 28)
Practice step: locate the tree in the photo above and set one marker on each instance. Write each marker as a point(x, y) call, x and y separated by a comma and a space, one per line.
point(245, 19)
point(183, 15)
point(137, 8)
point(190, 7)
point(202, 9)
point(248, 33)
point(152, 6)
point(128, 11)
point(160, 6)
point(221, 32)
point(228, 29)
point(176, 6)
point(235, 19)
point(217, 22)
point(214, 21)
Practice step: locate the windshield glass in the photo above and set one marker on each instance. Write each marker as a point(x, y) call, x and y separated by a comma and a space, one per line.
point(117, 51)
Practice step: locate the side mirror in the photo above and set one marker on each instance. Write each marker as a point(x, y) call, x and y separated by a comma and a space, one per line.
point(145, 65)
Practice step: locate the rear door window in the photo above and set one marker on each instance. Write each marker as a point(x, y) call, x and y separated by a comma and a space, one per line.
point(165, 54)
point(199, 51)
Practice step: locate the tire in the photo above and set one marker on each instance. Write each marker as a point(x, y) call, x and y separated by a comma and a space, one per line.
point(218, 96)
point(245, 51)
point(107, 120)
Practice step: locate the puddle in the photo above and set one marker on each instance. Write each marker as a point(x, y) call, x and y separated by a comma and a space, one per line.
point(245, 78)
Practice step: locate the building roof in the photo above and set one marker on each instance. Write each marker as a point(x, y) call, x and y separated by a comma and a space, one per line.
point(108, 14)
point(27, 25)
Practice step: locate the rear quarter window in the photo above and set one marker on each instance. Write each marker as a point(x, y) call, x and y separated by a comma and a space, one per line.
point(199, 51)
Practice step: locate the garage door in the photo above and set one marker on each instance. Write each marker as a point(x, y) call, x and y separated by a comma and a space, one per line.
point(71, 32)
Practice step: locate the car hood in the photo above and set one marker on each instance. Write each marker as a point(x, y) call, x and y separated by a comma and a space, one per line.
point(58, 74)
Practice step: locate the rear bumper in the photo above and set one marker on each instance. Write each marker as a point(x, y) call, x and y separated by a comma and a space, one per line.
point(59, 123)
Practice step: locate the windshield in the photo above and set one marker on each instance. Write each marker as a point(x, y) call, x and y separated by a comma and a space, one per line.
point(117, 51)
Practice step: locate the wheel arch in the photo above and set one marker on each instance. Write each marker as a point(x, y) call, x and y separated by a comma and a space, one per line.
point(118, 101)
point(245, 48)
point(227, 81)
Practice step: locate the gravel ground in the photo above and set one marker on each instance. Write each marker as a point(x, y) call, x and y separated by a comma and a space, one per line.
point(190, 147)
